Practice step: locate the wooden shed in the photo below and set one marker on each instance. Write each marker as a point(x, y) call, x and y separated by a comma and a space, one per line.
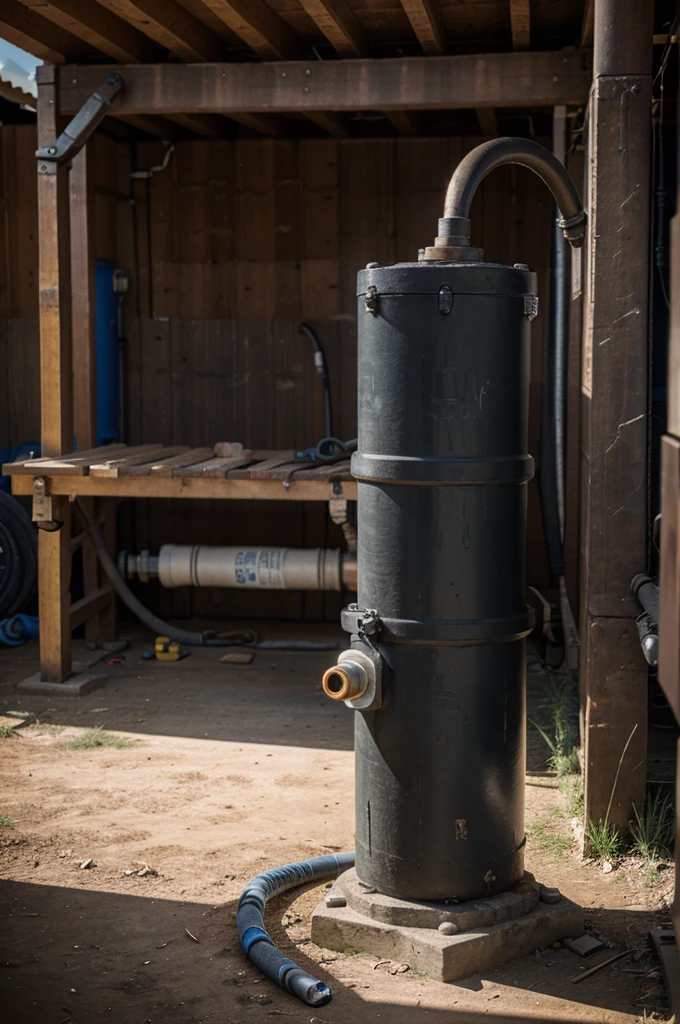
point(256, 157)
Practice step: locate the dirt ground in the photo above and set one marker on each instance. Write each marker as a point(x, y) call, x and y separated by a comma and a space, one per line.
point(227, 770)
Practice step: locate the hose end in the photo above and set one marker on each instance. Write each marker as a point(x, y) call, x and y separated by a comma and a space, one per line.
point(308, 989)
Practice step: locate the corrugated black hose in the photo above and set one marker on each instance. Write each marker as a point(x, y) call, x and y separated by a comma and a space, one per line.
point(258, 944)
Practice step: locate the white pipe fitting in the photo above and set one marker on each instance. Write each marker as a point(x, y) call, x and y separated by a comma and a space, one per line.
point(200, 565)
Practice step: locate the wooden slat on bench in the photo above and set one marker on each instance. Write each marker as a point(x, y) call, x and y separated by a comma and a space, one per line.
point(330, 471)
point(75, 464)
point(131, 457)
point(167, 466)
point(260, 470)
point(286, 469)
point(212, 467)
point(133, 467)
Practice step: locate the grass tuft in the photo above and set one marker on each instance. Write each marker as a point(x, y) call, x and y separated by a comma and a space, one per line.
point(572, 788)
point(603, 840)
point(6, 821)
point(96, 737)
point(6, 731)
point(653, 831)
point(561, 704)
point(549, 840)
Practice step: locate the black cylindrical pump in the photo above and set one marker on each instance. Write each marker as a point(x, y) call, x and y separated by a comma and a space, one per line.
point(436, 666)
point(442, 469)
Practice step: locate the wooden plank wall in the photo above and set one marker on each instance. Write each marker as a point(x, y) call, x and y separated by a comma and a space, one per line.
point(228, 249)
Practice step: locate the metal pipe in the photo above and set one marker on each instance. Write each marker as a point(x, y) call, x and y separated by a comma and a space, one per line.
point(200, 565)
point(559, 318)
point(470, 172)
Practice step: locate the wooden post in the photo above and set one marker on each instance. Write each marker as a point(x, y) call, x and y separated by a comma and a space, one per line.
point(83, 298)
point(614, 409)
point(56, 404)
point(100, 626)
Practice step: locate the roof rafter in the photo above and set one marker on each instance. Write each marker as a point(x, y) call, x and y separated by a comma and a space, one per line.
point(339, 25)
point(28, 30)
point(259, 26)
point(171, 26)
point(99, 27)
point(520, 24)
point(427, 22)
point(335, 124)
point(405, 121)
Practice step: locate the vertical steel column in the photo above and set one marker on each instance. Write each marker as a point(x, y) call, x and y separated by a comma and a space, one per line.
point(614, 407)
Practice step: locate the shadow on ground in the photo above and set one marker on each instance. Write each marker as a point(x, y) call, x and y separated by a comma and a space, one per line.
point(79, 956)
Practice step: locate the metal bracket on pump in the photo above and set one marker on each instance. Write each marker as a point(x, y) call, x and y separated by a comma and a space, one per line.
point(80, 128)
point(358, 676)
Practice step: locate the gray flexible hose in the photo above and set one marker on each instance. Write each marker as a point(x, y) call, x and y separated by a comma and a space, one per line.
point(258, 944)
point(161, 628)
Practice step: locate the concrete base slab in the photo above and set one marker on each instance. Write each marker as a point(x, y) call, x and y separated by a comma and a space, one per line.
point(447, 957)
point(77, 686)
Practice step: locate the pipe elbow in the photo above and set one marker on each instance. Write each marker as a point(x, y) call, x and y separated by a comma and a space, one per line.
point(486, 158)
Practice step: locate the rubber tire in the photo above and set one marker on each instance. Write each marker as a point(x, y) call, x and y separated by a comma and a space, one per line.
point(18, 538)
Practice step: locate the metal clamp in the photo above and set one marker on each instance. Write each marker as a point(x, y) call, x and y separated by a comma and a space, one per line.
point(371, 299)
point(80, 128)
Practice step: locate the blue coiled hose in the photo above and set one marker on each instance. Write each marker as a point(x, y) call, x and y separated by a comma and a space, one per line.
point(259, 946)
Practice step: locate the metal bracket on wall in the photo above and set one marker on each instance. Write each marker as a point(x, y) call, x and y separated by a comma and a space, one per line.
point(80, 128)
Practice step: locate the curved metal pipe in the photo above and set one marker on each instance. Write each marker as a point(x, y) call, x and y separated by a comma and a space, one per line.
point(485, 158)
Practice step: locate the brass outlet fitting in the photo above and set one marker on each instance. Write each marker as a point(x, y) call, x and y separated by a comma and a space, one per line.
point(345, 681)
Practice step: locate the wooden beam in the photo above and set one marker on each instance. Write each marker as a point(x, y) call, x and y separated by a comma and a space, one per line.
point(56, 395)
point(614, 409)
point(28, 30)
point(335, 124)
point(339, 25)
point(428, 24)
point(404, 121)
point(189, 487)
point(487, 121)
point(259, 26)
point(520, 24)
point(84, 345)
point(413, 83)
point(171, 26)
point(98, 27)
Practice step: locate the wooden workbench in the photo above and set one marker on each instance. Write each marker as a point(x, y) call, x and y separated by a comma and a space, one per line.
point(99, 477)
point(156, 471)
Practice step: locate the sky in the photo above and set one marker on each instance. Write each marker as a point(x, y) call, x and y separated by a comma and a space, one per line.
point(18, 67)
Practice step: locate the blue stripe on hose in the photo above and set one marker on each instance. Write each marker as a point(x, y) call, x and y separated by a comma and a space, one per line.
point(253, 935)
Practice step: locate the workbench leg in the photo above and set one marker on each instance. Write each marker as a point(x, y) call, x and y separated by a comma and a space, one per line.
point(54, 602)
point(108, 618)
